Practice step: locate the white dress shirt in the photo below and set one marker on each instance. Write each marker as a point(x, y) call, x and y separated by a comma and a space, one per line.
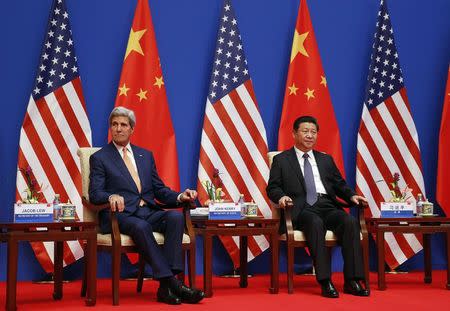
point(312, 160)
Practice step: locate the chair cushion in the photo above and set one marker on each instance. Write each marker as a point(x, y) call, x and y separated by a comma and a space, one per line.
point(299, 236)
point(125, 240)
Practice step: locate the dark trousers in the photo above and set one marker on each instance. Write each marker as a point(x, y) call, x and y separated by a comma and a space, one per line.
point(167, 260)
point(314, 221)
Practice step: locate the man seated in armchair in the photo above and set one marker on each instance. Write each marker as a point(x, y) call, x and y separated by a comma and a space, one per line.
point(310, 180)
point(125, 176)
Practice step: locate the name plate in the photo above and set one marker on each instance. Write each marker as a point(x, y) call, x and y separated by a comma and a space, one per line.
point(27, 213)
point(397, 209)
point(230, 211)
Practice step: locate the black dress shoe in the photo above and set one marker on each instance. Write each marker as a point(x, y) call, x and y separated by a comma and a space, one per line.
point(166, 295)
point(353, 287)
point(328, 289)
point(187, 294)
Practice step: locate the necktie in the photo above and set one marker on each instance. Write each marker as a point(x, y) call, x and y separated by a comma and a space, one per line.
point(131, 169)
point(311, 193)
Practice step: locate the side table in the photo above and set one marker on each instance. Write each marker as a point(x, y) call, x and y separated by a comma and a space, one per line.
point(58, 232)
point(243, 228)
point(422, 225)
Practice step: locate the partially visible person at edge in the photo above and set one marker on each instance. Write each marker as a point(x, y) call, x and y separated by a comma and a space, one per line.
point(310, 180)
point(125, 176)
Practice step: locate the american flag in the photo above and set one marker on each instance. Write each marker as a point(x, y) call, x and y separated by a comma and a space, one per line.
point(387, 139)
point(233, 137)
point(54, 127)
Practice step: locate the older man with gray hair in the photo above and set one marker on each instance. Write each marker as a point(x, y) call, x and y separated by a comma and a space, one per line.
point(125, 176)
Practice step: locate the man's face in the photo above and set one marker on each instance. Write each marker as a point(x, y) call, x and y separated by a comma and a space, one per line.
point(121, 130)
point(306, 136)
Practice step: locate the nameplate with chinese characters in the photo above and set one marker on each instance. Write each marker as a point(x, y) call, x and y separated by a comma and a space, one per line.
point(396, 209)
point(29, 213)
point(230, 211)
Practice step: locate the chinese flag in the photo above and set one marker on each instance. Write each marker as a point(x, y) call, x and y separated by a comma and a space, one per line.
point(443, 174)
point(142, 89)
point(307, 91)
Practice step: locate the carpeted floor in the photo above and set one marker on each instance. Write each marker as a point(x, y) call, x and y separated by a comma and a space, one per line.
point(404, 292)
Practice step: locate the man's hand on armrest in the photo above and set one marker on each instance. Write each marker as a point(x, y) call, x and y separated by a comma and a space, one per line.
point(187, 196)
point(284, 201)
point(116, 202)
point(359, 200)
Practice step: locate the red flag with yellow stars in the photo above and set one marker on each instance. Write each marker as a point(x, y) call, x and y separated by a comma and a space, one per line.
point(307, 92)
point(443, 174)
point(142, 89)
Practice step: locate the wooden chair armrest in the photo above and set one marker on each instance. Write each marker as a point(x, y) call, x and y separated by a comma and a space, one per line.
point(361, 206)
point(187, 206)
point(94, 207)
point(115, 231)
point(362, 221)
point(289, 205)
point(287, 212)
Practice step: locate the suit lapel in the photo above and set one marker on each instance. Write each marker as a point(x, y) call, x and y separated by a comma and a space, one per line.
point(293, 160)
point(120, 164)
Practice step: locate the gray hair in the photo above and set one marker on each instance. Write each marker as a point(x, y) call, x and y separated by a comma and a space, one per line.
point(120, 111)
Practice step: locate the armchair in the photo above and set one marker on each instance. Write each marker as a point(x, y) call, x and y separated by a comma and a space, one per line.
point(295, 238)
point(117, 243)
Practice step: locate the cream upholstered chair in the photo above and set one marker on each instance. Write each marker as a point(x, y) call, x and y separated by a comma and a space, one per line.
point(117, 243)
point(295, 238)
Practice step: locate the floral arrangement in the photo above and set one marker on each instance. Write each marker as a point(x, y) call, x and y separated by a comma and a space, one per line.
point(214, 188)
point(397, 194)
point(33, 191)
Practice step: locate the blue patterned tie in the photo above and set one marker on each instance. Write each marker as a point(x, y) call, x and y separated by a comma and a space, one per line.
point(311, 193)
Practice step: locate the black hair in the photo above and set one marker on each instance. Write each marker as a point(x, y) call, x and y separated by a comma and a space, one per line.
point(305, 119)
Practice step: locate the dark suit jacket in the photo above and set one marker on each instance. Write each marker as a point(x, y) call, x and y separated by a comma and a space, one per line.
point(109, 175)
point(286, 178)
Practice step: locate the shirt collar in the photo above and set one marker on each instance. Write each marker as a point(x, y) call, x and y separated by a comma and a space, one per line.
point(120, 148)
point(301, 153)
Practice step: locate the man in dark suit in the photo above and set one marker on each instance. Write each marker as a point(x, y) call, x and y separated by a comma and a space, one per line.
point(125, 176)
point(311, 181)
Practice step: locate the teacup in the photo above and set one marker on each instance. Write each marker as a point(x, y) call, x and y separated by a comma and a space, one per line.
point(427, 208)
point(68, 211)
point(251, 209)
